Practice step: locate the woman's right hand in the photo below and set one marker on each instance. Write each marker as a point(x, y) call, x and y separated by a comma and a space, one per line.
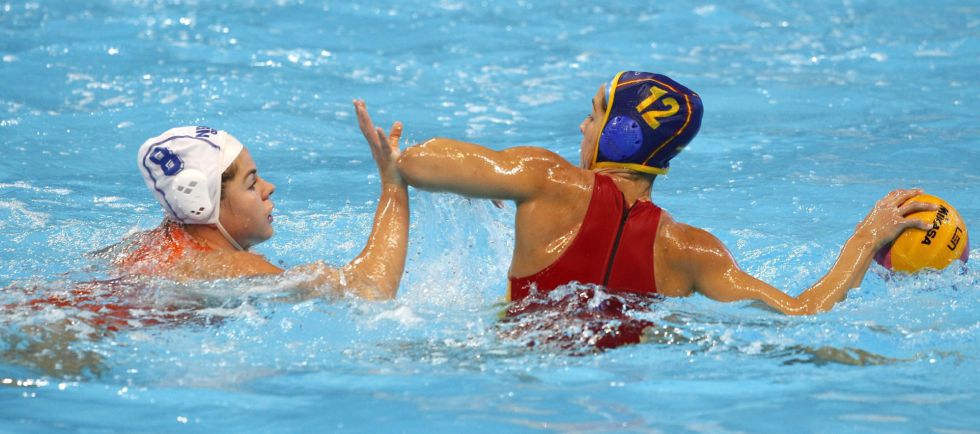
point(384, 148)
point(887, 219)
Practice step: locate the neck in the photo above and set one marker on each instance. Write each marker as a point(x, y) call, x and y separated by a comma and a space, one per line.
point(210, 236)
point(634, 185)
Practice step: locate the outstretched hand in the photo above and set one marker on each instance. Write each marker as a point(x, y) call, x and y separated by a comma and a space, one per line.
point(887, 219)
point(384, 147)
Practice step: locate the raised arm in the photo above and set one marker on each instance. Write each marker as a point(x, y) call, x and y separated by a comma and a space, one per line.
point(472, 170)
point(376, 272)
point(709, 268)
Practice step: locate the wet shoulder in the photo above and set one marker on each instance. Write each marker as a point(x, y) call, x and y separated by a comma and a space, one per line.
point(221, 264)
point(682, 238)
point(156, 252)
point(680, 252)
point(687, 247)
point(552, 167)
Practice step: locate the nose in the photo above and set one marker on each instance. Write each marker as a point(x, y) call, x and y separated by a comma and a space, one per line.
point(269, 189)
point(581, 126)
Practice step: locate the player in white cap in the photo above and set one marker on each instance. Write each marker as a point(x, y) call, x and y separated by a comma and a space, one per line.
point(217, 207)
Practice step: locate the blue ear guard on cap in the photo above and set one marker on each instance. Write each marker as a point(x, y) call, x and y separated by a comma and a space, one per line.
point(649, 119)
point(622, 139)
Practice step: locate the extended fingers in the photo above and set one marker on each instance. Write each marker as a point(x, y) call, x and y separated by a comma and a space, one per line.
point(899, 197)
point(916, 206)
point(916, 223)
point(363, 118)
point(381, 136)
point(361, 109)
point(396, 134)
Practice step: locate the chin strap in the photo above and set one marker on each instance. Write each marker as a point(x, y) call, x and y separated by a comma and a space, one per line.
point(228, 237)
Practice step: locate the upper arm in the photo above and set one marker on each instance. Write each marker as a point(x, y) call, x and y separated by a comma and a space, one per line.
point(473, 170)
point(713, 272)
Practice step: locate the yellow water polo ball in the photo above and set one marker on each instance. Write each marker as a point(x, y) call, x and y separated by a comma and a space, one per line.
point(936, 248)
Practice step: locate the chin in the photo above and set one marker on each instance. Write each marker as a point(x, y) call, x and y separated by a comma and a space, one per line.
point(257, 239)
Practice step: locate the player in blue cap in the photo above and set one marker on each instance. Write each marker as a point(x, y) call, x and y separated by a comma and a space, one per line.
point(596, 223)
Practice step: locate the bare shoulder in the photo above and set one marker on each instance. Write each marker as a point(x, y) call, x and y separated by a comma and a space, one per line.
point(535, 153)
point(682, 254)
point(686, 244)
point(542, 158)
point(222, 265)
point(552, 169)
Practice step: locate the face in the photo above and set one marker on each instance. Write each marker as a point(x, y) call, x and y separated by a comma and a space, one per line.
point(590, 128)
point(246, 210)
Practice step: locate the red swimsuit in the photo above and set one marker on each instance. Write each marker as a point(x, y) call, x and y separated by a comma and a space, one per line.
point(115, 304)
point(159, 249)
point(613, 248)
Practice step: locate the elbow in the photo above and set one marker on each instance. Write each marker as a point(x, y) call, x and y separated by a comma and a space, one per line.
point(387, 291)
point(808, 304)
point(409, 164)
point(798, 312)
point(374, 290)
point(801, 308)
point(413, 163)
point(383, 286)
point(380, 290)
point(375, 286)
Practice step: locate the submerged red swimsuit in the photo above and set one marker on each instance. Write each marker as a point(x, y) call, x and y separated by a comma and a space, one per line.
point(159, 249)
point(115, 303)
point(613, 248)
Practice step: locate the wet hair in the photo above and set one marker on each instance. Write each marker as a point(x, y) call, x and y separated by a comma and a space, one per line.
point(228, 175)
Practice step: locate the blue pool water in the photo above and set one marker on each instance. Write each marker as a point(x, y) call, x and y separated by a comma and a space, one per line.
point(813, 110)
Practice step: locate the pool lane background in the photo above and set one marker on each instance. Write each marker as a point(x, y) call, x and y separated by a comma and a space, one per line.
point(813, 110)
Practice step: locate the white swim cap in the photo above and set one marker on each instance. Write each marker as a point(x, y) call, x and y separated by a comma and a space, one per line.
point(183, 167)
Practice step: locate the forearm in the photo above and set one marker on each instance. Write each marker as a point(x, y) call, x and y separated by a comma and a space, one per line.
point(846, 273)
point(881, 226)
point(714, 273)
point(376, 272)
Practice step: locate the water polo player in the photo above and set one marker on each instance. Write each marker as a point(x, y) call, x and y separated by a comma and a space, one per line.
point(596, 223)
point(218, 206)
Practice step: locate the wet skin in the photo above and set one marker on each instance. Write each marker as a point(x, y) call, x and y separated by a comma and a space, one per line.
point(246, 214)
point(552, 196)
point(246, 206)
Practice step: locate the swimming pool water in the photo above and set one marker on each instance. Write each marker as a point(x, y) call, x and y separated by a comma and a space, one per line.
point(813, 111)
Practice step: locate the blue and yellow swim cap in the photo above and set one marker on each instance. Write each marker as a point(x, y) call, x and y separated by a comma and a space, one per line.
point(649, 119)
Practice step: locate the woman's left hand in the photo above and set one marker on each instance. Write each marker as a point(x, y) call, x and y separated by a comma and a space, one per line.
point(889, 217)
point(384, 148)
